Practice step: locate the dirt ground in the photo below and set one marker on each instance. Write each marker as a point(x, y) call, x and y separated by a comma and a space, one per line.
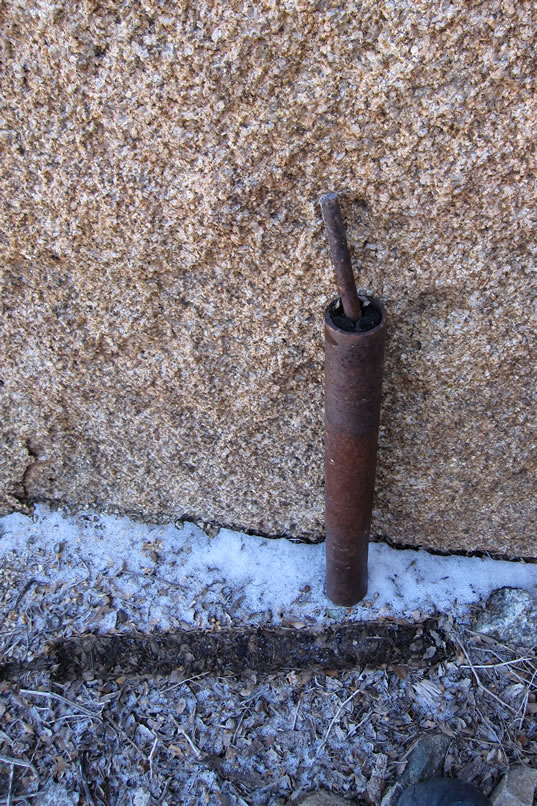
point(261, 738)
point(211, 731)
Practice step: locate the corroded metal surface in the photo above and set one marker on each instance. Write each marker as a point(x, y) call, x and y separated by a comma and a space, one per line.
point(353, 381)
point(337, 240)
point(264, 649)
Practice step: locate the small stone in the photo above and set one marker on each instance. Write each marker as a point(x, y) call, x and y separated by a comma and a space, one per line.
point(392, 795)
point(321, 798)
point(375, 785)
point(56, 795)
point(141, 798)
point(121, 616)
point(425, 761)
point(516, 788)
point(509, 616)
point(443, 792)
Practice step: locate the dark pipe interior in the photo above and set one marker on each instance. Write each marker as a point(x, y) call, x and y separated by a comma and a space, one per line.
point(371, 316)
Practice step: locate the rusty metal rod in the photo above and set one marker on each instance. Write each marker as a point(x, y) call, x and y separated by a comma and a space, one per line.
point(265, 649)
point(337, 240)
point(354, 355)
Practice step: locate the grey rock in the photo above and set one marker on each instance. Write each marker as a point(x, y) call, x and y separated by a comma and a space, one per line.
point(141, 797)
point(424, 762)
point(392, 795)
point(509, 617)
point(443, 792)
point(426, 759)
point(322, 798)
point(516, 788)
point(56, 795)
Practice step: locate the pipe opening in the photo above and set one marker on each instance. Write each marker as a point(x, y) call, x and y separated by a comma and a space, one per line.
point(371, 316)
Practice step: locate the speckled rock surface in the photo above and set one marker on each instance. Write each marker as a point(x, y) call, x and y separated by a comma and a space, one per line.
point(509, 616)
point(516, 788)
point(164, 268)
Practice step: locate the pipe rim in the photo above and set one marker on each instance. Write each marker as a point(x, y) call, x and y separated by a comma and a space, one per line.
point(329, 322)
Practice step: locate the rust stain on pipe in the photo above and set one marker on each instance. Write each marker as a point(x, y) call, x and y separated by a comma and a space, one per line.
point(353, 383)
point(354, 356)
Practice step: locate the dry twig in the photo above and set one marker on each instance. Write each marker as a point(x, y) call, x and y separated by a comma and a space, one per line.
point(60, 698)
point(479, 682)
point(151, 757)
point(18, 762)
point(10, 785)
point(335, 718)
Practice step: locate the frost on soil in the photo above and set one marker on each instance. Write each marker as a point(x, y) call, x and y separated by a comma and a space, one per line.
point(256, 738)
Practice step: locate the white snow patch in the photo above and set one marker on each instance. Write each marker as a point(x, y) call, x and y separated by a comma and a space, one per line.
point(164, 577)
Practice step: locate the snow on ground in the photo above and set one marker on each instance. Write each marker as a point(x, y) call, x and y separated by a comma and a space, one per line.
point(258, 739)
point(170, 576)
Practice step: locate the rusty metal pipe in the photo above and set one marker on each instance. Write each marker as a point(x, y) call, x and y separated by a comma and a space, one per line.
point(354, 354)
point(353, 382)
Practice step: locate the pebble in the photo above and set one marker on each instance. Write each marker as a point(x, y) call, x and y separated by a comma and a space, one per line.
point(516, 788)
point(509, 617)
point(56, 795)
point(321, 798)
point(425, 761)
point(443, 792)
